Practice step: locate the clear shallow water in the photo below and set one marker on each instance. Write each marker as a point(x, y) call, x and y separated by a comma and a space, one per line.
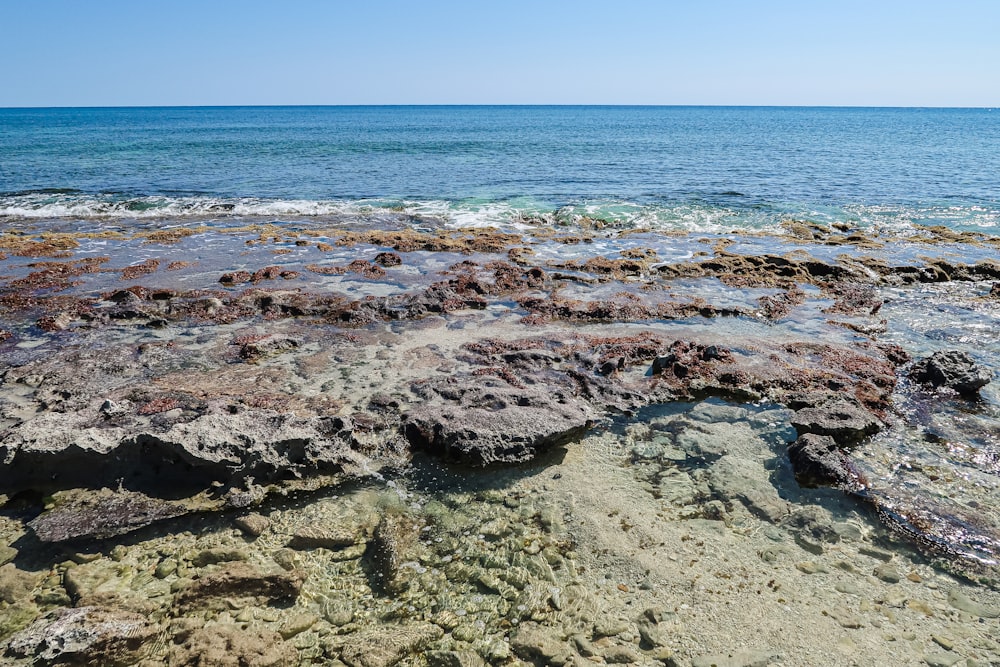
point(697, 168)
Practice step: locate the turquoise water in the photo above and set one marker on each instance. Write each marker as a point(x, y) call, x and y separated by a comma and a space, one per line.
point(699, 168)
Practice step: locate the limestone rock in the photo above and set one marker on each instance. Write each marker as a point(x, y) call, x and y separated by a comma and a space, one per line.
point(101, 514)
point(843, 420)
point(483, 424)
point(314, 537)
point(241, 581)
point(15, 584)
point(533, 642)
point(85, 636)
point(818, 461)
point(953, 369)
point(229, 645)
point(390, 549)
point(387, 645)
point(963, 602)
point(454, 659)
point(253, 524)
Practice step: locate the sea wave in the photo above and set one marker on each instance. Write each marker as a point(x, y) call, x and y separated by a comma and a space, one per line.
point(691, 216)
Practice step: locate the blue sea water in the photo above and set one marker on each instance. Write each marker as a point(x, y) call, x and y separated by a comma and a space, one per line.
point(697, 168)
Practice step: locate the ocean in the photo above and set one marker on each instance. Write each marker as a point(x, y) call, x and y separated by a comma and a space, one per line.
point(692, 168)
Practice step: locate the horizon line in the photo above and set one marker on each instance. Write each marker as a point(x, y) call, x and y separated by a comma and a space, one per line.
point(453, 104)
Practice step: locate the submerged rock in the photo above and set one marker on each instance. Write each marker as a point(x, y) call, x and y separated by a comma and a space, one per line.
point(818, 461)
point(389, 552)
point(242, 581)
point(387, 645)
point(953, 369)
point(228, 644)
point(85, 636)
point(106, 513)
point(840, 418)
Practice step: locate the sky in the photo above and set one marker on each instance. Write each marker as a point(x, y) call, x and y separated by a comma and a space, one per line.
point(714, 52)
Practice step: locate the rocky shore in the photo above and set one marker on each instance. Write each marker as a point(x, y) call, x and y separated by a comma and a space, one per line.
point(286, 444)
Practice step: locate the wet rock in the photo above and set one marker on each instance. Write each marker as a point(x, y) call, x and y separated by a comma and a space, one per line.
point(942, 659)
point(85, 636)
point(101, 514)
point(218, 446)
point(533, 642)
point(387, 645)
point(620, 655)
point(953, 369)
point(297, 624)
point(963, 602)
point(254, 348)
point(501, 424)
point(315, 537)
point(390, 550)
point(887, 573)
point(388, 259)
point(843, 420)
point(230, 645)
point(218, 555)
point(7, 554)
point(242, 581)
point(818, 461)
point(454, 659)
point(15, 584)
point(253, 524)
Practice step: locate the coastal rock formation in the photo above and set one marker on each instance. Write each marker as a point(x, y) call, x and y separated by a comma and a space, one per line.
point(101, 514)
point(85, 636)
point(484, 422)
point(953, 369)
point(819, 461)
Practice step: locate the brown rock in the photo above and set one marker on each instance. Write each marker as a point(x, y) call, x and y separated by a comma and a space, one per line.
point(314, 537)
point(15, 584)
point(387, 645)
point(239, 580)
point(229, 645)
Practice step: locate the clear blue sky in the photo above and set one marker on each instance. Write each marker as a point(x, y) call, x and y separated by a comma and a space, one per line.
point(802, 52)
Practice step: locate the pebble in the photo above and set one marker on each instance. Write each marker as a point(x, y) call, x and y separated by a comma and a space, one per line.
point(944, 642)
point(875, 552)
point(620, 655)
point(962, 602)
point(848, 587)
point(943, 659)
point(311, 537)
point(810, 544)
point(165, 568)
point(887, 573)
point(286, 558)
point(253, 524)
point(218, 555)
point(809, 567)
point(297, 624)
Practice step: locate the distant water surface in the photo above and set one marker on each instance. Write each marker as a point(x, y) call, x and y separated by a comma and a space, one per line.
point(698, 168)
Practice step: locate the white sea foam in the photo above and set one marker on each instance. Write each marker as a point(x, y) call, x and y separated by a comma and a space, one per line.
point(516, 215)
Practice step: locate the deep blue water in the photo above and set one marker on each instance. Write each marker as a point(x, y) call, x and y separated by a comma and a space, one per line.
point(692, 167)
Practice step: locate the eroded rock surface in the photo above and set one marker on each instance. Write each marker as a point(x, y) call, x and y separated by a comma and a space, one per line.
point(953, 369)
point(85, 636)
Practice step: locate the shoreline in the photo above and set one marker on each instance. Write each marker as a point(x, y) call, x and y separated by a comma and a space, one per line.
point(229, 370)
